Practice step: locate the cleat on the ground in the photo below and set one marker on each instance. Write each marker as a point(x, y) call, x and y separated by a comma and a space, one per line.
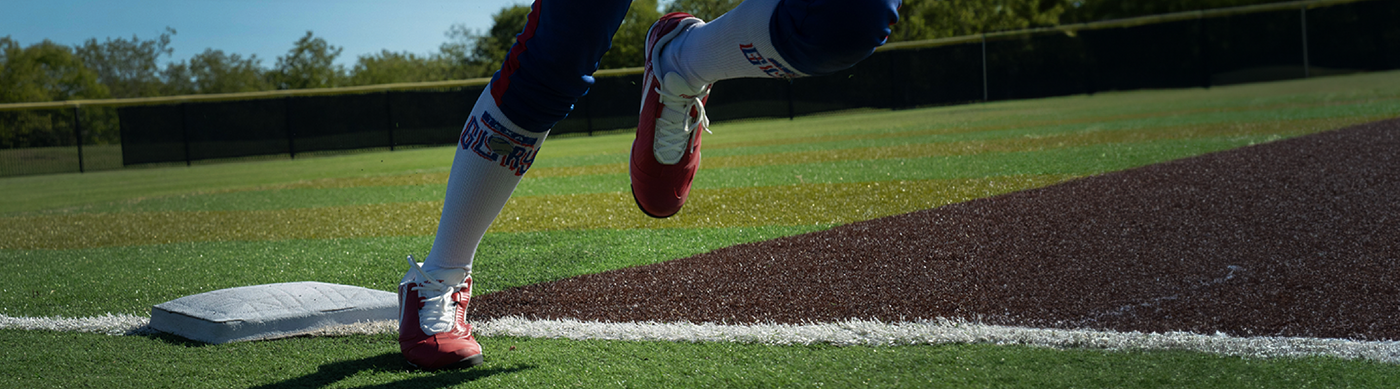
point(433, 333)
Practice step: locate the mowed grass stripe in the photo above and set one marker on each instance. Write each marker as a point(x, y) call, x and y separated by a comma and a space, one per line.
point(41, 283)
point(921, 146)
point(1359, 112)
point(810, 204)
point(33, 193)
point(928, 127)
point(272, 199)
point(1036, 140)
point(1052, 161)
point(1114, 107)
point(840, 171)
point(609, 178)
point(1081, 160)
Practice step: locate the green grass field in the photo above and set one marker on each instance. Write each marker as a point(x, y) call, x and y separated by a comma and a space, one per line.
point(78, 245)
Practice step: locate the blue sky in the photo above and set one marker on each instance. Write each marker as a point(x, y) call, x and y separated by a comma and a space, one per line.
point(263, 27)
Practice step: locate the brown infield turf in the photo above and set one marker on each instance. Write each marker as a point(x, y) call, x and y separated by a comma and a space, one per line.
point(1299, 237)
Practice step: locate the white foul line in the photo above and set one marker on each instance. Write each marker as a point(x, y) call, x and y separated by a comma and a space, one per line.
point(108, 324)
point(846, 333)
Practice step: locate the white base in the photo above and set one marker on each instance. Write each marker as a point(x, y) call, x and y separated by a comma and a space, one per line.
point(271, 311)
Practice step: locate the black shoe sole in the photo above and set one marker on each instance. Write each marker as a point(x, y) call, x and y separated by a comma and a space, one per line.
point(644, 210)
point(470, 362)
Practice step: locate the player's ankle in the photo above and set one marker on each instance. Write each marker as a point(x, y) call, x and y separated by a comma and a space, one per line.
point(671, 62)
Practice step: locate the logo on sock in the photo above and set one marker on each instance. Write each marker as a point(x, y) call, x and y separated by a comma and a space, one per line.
point(492, 140)
point(768, 66)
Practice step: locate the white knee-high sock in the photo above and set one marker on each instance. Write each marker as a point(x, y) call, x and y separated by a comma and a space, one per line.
point(492, 154)
point(735, 45)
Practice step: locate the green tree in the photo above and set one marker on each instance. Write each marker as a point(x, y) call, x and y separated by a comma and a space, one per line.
point(460, 44)
point(389, 67)
point(129, 68)
point(931, 19)
point(481, 54)
point(459, 53)
point(491, 49)
point(177, 79)
point(214, 71)
point(1096, 10)
point(629, 43)
point(309, 64)
point(44, 71)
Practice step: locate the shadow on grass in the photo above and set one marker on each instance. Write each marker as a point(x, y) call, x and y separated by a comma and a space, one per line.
point(390, 363)
point(171, 339)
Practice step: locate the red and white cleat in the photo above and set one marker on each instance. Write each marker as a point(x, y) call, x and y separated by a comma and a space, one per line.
point(433, 333)
point(666, 152)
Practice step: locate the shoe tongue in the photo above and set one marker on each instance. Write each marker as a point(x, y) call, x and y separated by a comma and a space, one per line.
point(449, 276)
point(675, 83)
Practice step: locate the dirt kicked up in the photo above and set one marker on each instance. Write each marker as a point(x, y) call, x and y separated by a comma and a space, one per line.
point(1299, 237)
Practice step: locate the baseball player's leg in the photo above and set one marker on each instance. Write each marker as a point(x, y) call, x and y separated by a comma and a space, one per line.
point(546, 71)
point(685, 56)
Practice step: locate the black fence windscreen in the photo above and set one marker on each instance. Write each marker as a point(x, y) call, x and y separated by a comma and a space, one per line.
point(612, 102)
point(937, 75)
point(153, 133)
point(1255, 47)
point(291, 125)
point(339, 122)
point(1363, 36)
point(1192, 53)
point(430, 117)
point(1036, 66)
point(1166, 55)
point(236, 129)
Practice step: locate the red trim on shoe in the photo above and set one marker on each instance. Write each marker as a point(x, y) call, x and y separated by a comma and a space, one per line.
point(512, 61)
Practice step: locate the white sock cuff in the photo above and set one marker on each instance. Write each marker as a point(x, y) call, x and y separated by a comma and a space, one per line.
point(734, 45)
point(758, 49)
point(430, 267)
point(492, 135)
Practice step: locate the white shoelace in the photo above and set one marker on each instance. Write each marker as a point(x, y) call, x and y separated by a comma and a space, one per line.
point(673, 136)
point(439, 311)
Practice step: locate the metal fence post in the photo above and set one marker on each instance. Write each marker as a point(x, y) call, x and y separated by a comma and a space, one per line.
point(986, 94)
point(389, 116)
point(1304, 11)
point(1203, 51)
point(78, 135)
